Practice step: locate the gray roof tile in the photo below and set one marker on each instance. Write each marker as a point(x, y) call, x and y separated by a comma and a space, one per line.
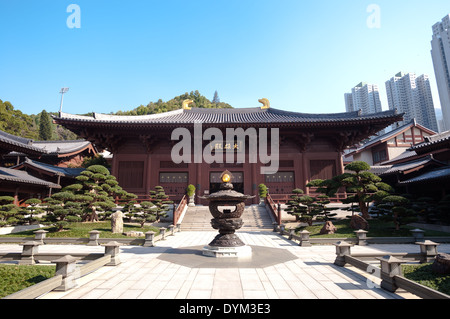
point(19, 143)
point(224, 116)
point(434, 175)
point(13, 175)
point(61, 171)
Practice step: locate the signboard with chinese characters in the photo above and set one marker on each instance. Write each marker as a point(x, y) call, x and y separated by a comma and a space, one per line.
point(235, 147)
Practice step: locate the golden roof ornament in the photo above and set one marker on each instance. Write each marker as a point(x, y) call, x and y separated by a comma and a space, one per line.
point(186, 104)
point(266, 104)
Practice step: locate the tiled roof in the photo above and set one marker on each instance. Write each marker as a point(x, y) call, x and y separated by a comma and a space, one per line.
point(56, 147)
point(22, 177)
point(18, 145)
point(385, 137)
point(225, 116)
point(378, 170)
point(434, 175)
point(62, 147)
point(433, 140)
point(411, 165)
point(12, 142)
point(402, 157)
point(61, 171)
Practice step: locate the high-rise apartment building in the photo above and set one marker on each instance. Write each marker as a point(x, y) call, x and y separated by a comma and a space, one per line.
point(349, 102)
point(412, 96)
point(364, 97)
point(426, 104)
point(440, 53)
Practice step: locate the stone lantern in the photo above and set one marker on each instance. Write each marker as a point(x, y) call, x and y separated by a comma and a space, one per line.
point(227, 207)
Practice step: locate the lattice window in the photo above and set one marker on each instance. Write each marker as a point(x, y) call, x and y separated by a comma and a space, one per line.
point(173, 178)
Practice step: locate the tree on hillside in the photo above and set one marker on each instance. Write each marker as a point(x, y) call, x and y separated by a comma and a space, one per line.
point(45, 127)
point(216, 98)
point(16, 123)
point(175, 104)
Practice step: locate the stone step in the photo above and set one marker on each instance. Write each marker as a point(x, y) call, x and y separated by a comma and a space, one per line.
point(255, 218)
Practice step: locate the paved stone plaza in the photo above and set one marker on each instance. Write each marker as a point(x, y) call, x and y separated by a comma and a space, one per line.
point(175, 269)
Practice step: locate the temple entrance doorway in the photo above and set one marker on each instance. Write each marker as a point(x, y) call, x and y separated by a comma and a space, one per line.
point(215, 181)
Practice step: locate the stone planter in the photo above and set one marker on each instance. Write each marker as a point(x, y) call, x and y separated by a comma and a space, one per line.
point(262, 201)
point(192, 200)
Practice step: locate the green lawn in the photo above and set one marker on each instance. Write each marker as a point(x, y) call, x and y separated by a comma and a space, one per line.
point(377, 228)
point(81, 230)
point(424, 275)
point(14, 278)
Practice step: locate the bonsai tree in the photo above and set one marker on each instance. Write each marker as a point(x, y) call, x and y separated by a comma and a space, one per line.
point(426, 208)
point(262, 192)
point(94, 180)
point(398, 210)
point(32, 209)
point(325, 213)
point(145, 213)
point(92, 197)
point(361, 185)
point(9, 213)
point(129, 208)
point(303, 207)
point(190, 191)
point(161, 202)
point(63, 208)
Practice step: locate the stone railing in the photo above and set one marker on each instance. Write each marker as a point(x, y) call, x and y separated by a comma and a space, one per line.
point(94, 238)
point(67, 271)
point(390, 271)
point(361, 239)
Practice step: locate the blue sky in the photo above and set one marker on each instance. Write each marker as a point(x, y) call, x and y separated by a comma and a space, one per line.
point(301, 55)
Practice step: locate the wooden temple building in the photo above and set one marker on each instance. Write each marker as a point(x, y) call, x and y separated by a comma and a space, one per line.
point(36, 169)
point(310, 146)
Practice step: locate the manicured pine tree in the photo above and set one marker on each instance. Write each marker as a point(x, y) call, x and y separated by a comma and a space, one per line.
point(160, 200)
point(94, 180)
point(9, 213)
point(398, 210)
point(32, 209)
point(146, 212)
point(64, 207)
point(361, 184)
point(303, 207)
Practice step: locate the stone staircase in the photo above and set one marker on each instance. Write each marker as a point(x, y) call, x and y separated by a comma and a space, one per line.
point(255, 218)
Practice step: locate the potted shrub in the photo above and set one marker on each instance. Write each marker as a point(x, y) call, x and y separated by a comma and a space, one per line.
point(262, 191)
point(190, 191)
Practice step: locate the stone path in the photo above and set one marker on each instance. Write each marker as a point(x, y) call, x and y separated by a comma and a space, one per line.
point(282, 270)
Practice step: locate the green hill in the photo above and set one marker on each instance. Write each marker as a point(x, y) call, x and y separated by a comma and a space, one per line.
point(15, 122)
point(174, 104)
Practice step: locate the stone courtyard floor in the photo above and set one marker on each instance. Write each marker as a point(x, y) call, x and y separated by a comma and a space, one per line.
point(278, 269)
